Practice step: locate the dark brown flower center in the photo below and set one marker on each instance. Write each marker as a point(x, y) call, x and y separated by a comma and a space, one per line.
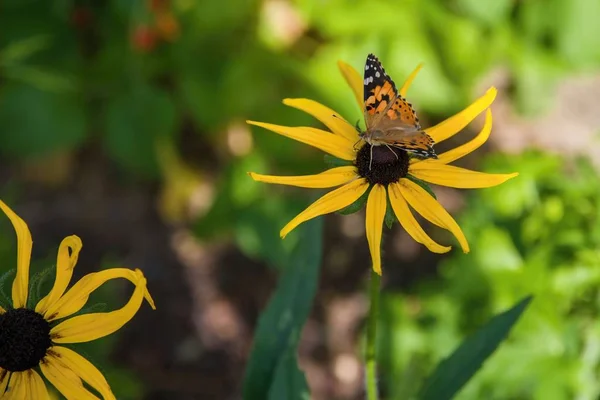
point(24, 339)
point(382, 164)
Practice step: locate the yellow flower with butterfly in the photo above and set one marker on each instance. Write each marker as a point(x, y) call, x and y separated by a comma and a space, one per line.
point(392, 159)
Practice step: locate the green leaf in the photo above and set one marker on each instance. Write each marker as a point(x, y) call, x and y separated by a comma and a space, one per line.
point(134, 121)
point(257, 230)
point(452, 373)
point(7, 276)
point(22, 49)
point(289, 382)
point(281, 322)
point(40, 79)
point(423, 184)
point(35, 122)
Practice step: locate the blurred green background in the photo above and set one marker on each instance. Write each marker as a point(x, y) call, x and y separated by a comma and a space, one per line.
point(123, 122)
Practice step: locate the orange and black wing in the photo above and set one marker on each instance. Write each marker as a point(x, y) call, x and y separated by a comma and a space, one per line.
point(381, 97)
point(419, 143)
point(379, 91)
point(405, 136)
point(403, 110)
point(387, 111)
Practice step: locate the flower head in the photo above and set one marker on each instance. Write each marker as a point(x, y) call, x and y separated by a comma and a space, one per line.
point(34, 338)
point(385, 172)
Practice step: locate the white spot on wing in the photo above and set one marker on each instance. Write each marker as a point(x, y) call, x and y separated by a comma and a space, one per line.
point(377, 74)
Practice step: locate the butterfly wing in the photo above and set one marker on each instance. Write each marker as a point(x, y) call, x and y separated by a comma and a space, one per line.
point(402, 110)
point(419, 143)
point(405, 136)
point(379, 91)
point(389, 118)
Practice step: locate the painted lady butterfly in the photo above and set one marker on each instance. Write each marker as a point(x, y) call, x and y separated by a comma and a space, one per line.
point(390, 119)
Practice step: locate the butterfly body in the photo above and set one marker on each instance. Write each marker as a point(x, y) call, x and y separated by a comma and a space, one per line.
point(389, 118)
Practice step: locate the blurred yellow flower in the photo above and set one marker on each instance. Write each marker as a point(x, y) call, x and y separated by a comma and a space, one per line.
point(32, 338)
point(391, 174)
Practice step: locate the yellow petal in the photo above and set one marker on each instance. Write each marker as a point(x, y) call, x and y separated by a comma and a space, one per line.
point(376, 205)
point(2, 310)
point(78, 295)
point(87, 327)
point(26, 385)
point(409, 80)
point(431, 210)
point(67, 256)
point(354, 81)
point(335, 122)
point(409, 223)
point(457, 122)
point(64, 379)
point(323, 140)
point(331, 202)
point(451, 176)
point(4, 378)
point(24, 243)
point(468, 147)
point(84, 369)
point(330, 178)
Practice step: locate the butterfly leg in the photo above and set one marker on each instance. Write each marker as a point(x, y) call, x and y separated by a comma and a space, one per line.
point(355, 144)
point(386, 145)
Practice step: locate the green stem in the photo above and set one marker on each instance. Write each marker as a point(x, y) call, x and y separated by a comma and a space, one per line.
point(371, 351)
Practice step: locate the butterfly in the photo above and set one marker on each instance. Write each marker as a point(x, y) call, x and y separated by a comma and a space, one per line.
point(390, 119)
